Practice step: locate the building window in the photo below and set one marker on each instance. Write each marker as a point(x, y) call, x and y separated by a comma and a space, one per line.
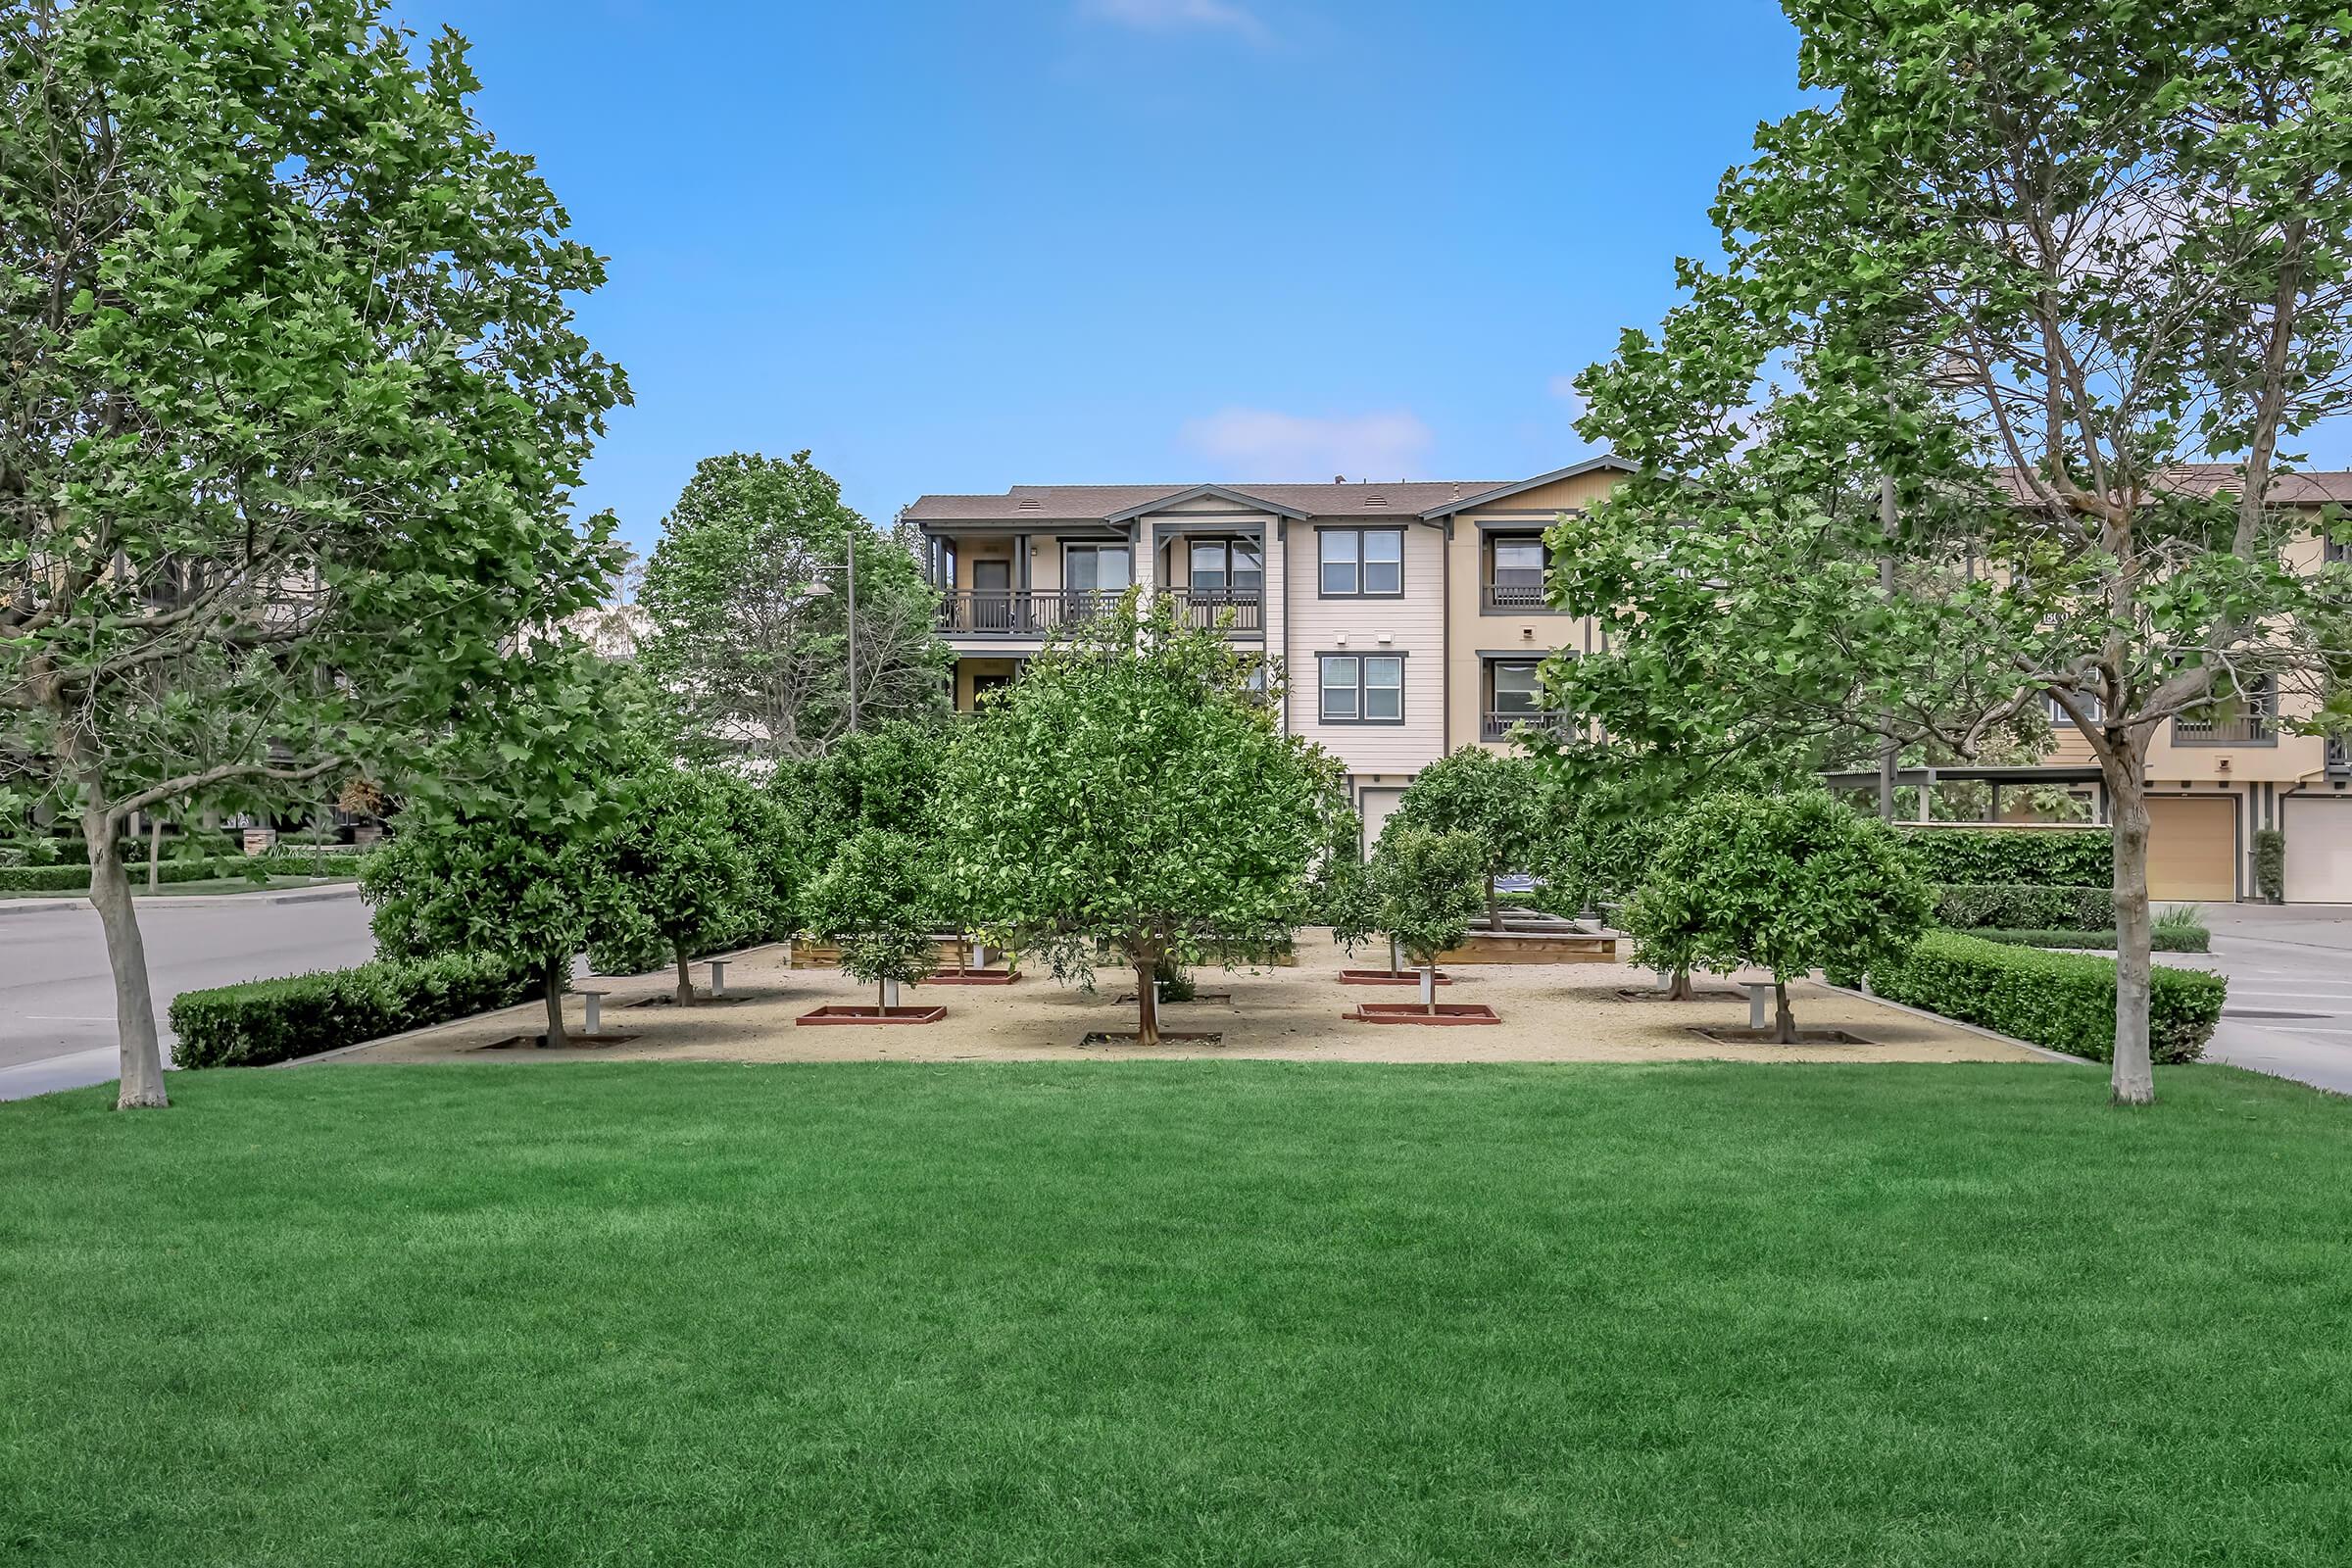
point(1226, 565)
point(1515, 566)
point(1513, 695)
point(1362, 688)
point(1096, 568)
point(2059, 719)
point(1362, 562)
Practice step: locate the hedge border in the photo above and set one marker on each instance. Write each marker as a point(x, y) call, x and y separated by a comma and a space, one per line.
point(2064, 1000)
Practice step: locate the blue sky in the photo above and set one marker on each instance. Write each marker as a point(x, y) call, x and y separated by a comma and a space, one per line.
point(959, 246)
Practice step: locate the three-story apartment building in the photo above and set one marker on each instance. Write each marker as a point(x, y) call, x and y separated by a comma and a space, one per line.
point(1410, 619)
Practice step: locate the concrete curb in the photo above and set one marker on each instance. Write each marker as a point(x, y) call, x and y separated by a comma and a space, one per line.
point(2042, 1051)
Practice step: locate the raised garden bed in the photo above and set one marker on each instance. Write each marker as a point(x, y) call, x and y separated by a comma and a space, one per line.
point(702, 998)
point(836, 1013)
point(1447, 1012)
point(1103, 1037)
point(1697, 994)
point(1382, 977)
point(1533, 947)
point(1763, 1036)
point(573, 1040)
point(971, 977)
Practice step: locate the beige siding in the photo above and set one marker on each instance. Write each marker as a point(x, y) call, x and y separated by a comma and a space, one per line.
point(1478, 629)
point(1414, 626)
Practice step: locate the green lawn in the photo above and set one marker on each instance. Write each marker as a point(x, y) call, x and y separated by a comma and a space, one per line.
point(1197, 1313)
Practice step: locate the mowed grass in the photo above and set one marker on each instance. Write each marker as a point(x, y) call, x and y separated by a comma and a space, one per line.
point(1198, 1313)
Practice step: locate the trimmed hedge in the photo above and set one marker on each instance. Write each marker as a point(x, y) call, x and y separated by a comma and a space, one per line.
point(263, 1021)
point(2065, 1000)
point(2023, 907)
point(75, 878)
point(2160, 940)
point(2047, 857)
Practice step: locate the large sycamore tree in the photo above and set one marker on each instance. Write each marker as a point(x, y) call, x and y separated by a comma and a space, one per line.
point(290, 407)
point(1133, 791)
point(750, 612)
point(1911, 454)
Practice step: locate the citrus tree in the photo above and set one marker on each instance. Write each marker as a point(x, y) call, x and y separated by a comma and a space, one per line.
point(677, 862)
point(1423, 890)
point(1498, 801)
point(875, 900)
point(1133, 795)
point(1782, 882)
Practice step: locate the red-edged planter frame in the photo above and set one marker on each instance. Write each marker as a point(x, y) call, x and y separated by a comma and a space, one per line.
point(871, 1015)
point(1382, 977)
point(1447, 1013)
point(971, 977)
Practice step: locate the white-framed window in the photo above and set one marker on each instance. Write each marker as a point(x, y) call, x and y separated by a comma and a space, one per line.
point(2091, 711)
point(1360, 562)
point(1226, 565)
point(1362, 688)
point(1096, 568)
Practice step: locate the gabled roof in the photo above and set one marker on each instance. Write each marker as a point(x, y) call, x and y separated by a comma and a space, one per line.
point(2317, 488)
point(1503, 492)
point(1207, 492)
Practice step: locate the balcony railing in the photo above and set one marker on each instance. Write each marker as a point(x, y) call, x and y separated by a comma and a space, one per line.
point(1038, 611)
point(2340, 757)
point(2244, 729)
point(1498, 725)
point(1515, 588)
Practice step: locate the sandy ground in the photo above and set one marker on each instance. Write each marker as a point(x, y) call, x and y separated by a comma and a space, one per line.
point(1551, 1013)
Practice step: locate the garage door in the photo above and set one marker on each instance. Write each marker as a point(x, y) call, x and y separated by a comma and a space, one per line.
point(2193, 849)
point(2318, 850)
point(1376, 805)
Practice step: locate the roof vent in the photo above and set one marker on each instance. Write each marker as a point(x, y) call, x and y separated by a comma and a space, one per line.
point(1376, 500)
point(1028, 504)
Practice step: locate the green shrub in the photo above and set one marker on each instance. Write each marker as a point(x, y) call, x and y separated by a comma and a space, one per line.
point(2051, 857)
point(263, 1021)
point(2019, 906)
point(2269, 862)
point(2065, 1000)
point(2194, 938)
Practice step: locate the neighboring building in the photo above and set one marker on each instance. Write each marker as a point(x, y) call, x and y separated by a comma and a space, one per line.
point(1412, 619)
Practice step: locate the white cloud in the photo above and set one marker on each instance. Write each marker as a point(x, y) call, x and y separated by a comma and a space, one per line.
point(1179, 16)
point(1262, 444)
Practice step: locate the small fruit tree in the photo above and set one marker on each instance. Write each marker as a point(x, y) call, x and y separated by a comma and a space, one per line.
point(876, 901)
point(1133, 790)
point(1498, 801)
point(1782, 882)
point(1423, 890)
point(678, 862)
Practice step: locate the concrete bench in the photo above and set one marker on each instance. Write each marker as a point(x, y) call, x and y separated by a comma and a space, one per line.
point(594, 1001)
point(719, 977)
point(1759, 1003)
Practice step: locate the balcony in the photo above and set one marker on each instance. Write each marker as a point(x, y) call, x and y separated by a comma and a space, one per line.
point(1495, 726)
point(1513, 588)
point(2242, 729)
point(1042, 612)
point(2340, 757)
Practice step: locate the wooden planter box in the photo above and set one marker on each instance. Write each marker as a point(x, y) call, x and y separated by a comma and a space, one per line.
point(1448, 1012)
point(1531, 946)
point(1382, 977)
point(971, 977)
point(842, 1014)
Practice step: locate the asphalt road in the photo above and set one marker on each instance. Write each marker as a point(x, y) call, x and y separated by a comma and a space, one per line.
point(57, 999)
point(2289, 1011)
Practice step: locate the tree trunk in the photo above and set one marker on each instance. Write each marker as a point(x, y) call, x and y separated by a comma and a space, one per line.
point(1395, 957)
point(1784, 1022)
point(1493, 907)
point(1147, 1000)
point(2133, 1078)
point(155, 851)
point(685, 975)
point(1677, 987)
point(142, 1054)
point(553, 975)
